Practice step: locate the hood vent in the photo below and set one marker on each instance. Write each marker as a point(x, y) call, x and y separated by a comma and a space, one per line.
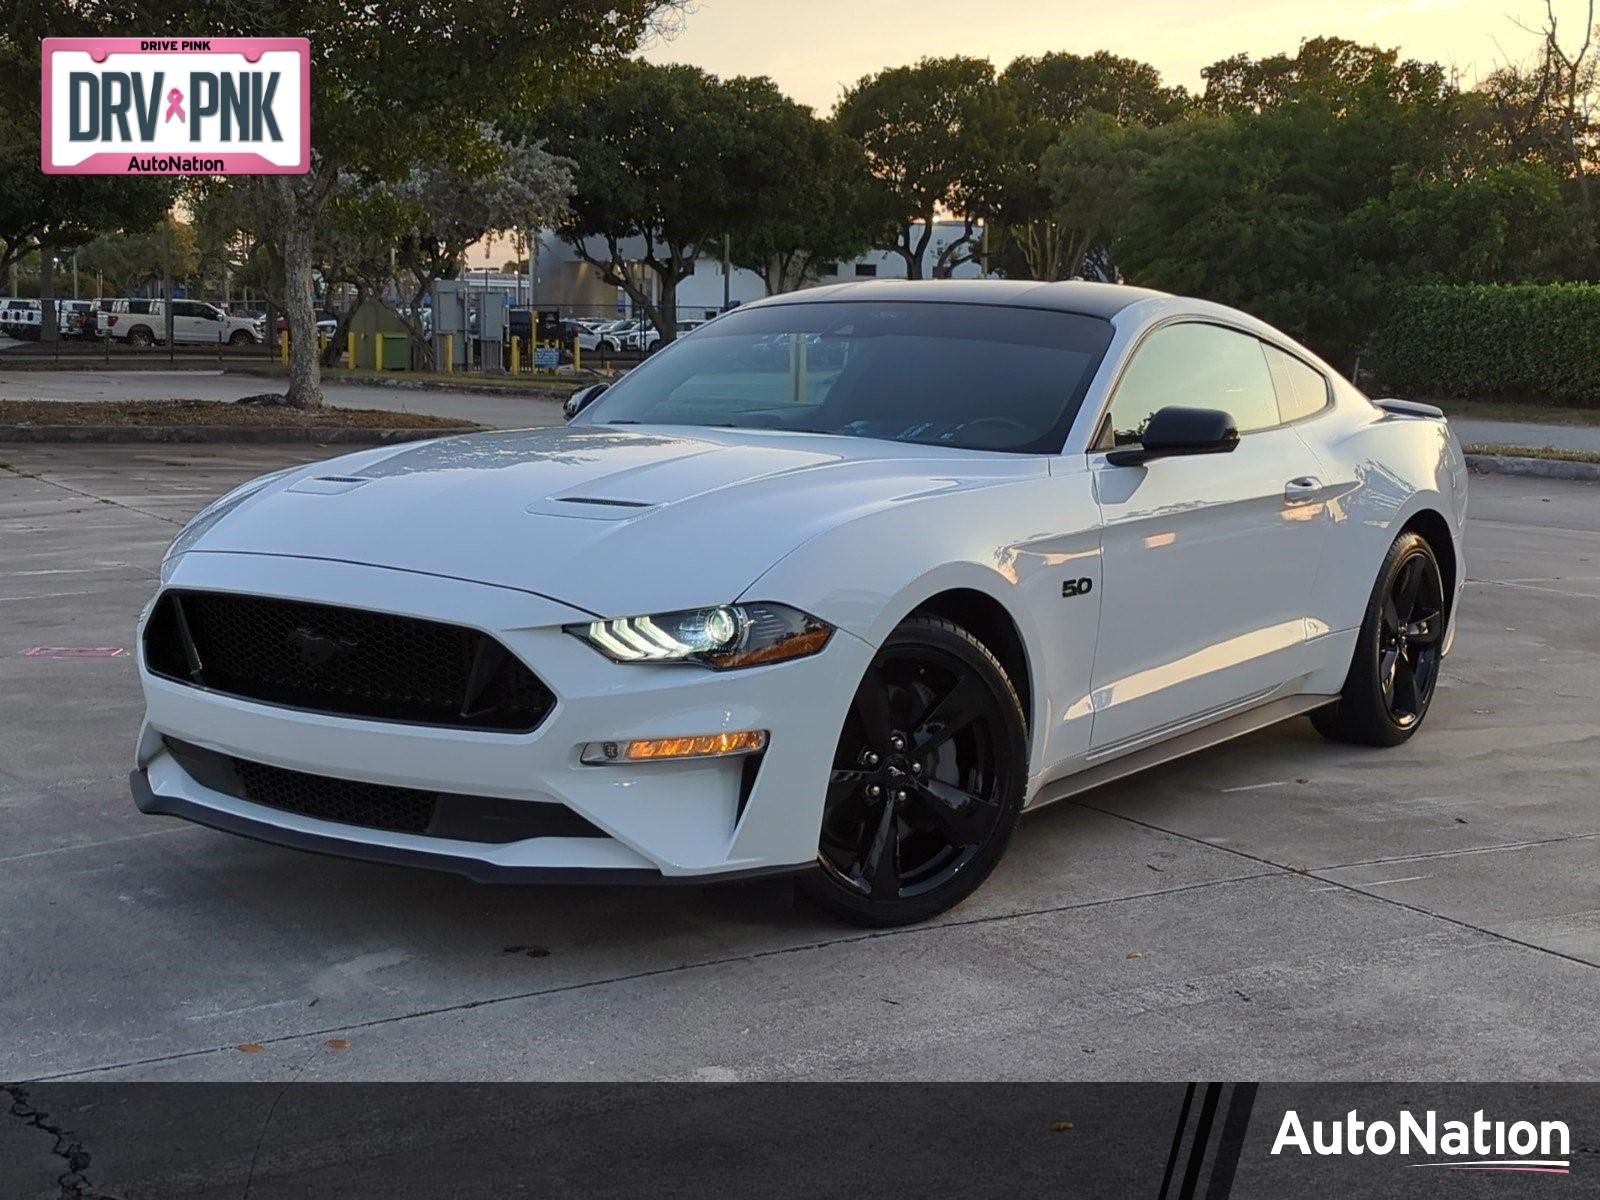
point(606, 503)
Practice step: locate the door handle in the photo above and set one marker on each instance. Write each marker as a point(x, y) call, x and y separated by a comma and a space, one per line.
point(1302, 489)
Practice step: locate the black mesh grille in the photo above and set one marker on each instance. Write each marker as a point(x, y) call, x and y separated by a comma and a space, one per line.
point(380, 806)
point(343, 660)
point(404, 810)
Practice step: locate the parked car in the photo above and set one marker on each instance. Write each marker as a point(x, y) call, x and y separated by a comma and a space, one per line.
point(194, 322)
point(16, 314)
point(24, 319)
point(651, 336)
point(1017, 540)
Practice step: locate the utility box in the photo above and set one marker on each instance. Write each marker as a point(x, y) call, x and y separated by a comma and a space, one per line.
point(372, 320)
point(474, 318)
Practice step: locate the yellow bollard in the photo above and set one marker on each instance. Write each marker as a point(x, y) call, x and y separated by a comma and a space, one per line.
point(283, 347)
point(516, 356)
point(449, 353)
point(577, 354)
point(350, 351)
point(377, 351)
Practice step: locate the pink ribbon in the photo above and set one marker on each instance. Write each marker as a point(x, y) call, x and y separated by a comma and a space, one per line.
point(175, 105)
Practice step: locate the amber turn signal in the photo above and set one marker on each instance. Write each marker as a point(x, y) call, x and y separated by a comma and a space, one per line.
point(705, 745)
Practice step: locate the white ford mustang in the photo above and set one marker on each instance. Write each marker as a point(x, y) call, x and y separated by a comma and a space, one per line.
point(839, 584)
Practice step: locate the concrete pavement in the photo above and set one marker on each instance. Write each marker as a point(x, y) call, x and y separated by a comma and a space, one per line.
point(1529, 433)
point(1278, 908)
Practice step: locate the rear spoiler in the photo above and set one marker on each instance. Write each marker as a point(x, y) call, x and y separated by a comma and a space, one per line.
point(1410, 408)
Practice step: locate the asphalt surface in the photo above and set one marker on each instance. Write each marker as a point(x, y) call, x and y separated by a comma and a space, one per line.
point(1280, 908)
point(497, 411)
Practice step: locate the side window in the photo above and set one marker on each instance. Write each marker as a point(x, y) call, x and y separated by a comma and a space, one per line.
point(1302, 389)
point(1197, 366)
point(190, 308)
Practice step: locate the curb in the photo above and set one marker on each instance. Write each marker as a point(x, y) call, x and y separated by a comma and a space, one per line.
point(1543, 468)
point(429, 385)
point(333, 435)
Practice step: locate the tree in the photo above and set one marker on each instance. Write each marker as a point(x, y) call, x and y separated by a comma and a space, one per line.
point(50, 214)
point(931, 134)
point(392, 84)
point(1089, 176)
point(441, 209)
point(821, 217)
point(1047, 97)
point(667, 159)
point(131, 262)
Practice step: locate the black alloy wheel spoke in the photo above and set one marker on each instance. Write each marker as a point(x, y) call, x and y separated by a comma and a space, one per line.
point(1423, 630)
point(879, 871)
point(843, 783)
point(1392, 621)
point(872, 707)
point(1386, 673)
point(962, 817)
point(1407, 696)
point(948, 716)
point(1407, 585)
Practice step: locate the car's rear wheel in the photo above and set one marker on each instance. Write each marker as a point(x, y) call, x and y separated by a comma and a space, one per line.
point(927, 781)
point(1396, 664)
point(141, 338)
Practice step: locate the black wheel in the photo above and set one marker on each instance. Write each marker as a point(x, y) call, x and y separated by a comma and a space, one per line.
point(927, 780)
point(1396, 664)
point(141, 338)
point(240, 338)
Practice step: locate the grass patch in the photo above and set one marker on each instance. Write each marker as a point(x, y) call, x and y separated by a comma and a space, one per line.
point(215, 412)
point(1533, 411)
point(1551, 452)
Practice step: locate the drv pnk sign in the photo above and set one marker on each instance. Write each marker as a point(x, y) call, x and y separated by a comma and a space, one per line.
point(176, 106)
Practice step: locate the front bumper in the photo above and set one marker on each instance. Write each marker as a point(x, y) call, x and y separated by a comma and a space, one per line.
point(661, 821)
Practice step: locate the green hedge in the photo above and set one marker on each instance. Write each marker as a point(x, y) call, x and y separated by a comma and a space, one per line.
point(1533, 341)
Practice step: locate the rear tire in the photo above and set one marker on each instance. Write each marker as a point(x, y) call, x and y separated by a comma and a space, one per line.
point(141, 338)
point(1396, 665)
point(927, 781)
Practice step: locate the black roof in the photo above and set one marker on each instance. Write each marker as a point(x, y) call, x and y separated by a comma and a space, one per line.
point(1074, 295)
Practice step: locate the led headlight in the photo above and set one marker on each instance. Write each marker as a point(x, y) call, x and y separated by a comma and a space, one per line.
point(727, 636)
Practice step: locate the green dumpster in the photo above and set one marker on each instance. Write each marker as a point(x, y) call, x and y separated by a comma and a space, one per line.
point(396, 352)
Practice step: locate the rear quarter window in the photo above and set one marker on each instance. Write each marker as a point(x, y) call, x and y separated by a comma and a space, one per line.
point(1302, 389)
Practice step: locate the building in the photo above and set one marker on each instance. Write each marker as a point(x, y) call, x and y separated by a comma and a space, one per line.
point(565, 281)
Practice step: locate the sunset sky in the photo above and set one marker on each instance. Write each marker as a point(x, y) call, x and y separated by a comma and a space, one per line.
point(813, 48)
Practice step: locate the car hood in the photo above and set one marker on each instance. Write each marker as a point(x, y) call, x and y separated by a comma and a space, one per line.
point(608, 520)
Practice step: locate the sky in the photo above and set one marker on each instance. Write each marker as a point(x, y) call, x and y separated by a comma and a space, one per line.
point(815, 48)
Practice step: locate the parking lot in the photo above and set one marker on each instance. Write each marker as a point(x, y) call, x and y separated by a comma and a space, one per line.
point(1280, 908)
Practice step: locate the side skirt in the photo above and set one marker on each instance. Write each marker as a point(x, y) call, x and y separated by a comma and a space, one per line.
point(1225, 730)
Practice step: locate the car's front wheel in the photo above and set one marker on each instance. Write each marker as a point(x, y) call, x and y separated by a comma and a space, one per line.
point(927, 781)
point(1396, 664)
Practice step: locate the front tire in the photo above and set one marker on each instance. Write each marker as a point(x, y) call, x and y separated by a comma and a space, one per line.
point(927, 781)
point(1396, 664)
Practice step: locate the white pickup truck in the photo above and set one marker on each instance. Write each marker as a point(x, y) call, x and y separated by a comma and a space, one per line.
point(194, 322)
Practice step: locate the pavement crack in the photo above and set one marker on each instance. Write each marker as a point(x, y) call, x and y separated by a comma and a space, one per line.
point(675, 969)
point(1314, 873)
point(1424, 856)
point(67, 487)
point(74, 1180)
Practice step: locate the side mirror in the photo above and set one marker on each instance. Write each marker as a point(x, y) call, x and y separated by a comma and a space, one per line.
point(581, 399)
point(1175, 430)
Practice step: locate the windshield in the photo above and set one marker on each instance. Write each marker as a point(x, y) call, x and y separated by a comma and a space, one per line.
point(976, 376)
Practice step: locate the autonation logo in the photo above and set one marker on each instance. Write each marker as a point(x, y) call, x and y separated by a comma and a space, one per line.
point(1478, 1145)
